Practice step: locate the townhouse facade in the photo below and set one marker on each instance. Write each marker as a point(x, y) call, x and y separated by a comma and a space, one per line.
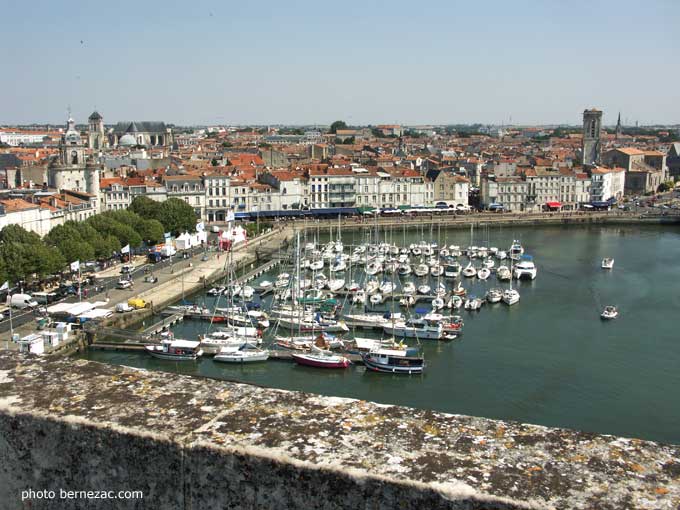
point(607, 184)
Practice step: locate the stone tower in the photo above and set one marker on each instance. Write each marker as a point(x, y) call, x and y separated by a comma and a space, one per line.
point(96, 138)
point(619, 128)
point(592, 128)
point(72, 170)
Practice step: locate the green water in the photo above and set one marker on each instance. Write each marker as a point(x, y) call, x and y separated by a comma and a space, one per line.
point(548, 360)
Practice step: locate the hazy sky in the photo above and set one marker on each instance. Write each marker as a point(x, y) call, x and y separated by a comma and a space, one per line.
point(222, 62)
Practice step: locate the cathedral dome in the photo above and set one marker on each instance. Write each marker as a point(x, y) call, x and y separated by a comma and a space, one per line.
point(127, 140)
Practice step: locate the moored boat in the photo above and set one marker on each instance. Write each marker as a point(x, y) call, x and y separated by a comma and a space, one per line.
point(175, 350)
point(244, 353)
point(607, 263)
point(609, 312)
point(394, 361)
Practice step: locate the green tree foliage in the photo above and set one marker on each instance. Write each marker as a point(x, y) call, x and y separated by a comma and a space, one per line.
point(151, 231)
point(24, 254)
point(338, 124)
point(177, 216)
point(145, 207)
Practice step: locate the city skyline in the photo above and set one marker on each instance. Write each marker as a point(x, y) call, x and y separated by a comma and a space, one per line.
point(366, 64)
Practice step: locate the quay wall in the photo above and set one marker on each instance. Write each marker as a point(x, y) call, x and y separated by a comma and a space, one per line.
point(193, 443)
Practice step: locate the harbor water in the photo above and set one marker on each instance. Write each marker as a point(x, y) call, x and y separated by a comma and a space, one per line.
point(548, 360)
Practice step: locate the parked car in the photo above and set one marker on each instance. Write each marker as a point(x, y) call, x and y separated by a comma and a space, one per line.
point(123, 307)
point(124, 284)
point(21, 301)
point(150, 278)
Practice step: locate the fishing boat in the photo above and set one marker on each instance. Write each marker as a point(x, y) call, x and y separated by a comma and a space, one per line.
point(525, 268)
point(510, 297)
point(320, 358)
point(175, 350)
point(494, 295)
point(607, 263)
point(394, 361)
point(483, 273)
point(609, 312)
point(244, 353)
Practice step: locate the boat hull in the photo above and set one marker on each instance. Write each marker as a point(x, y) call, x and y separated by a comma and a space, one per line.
point(309, 361)
point(409, 366)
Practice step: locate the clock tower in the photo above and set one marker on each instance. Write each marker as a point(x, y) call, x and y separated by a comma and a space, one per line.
point(71, 170)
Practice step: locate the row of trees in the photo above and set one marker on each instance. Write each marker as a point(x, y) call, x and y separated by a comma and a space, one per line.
point(24, 253)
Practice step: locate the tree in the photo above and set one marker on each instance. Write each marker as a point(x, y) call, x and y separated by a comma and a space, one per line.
point(338, 124)
point(145, 207)
point(17, 234)
point(151, 231)
point(177, 216)
point(214, 162)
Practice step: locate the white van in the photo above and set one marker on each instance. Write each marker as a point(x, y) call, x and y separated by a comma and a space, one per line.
point(21, 301)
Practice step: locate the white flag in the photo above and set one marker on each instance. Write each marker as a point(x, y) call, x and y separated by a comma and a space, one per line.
point(5, 286)
point(75, 266)
point(125, 249)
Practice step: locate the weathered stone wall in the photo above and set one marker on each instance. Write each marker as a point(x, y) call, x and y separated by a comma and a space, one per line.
point(195, 443)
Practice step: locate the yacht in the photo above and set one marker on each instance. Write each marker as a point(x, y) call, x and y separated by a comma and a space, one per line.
point(415, 328)
point(494, 295)
point(437, 303)
point(370, 320)
point(525, 268)
point(469, 271)
point(376, 299)
point(609, 312)
point(503, 273)
point(320, 358)
point(452, 270)
point(516, 250)
point(408, 300)
point(409, 288)
point(607, 263)
point(510, 297)
point(244, 353)
point(501, 255)
point(386, 288)
point(473, 303)
point(455, 302)
point(404, 269)
point(265, 285)
point(437, 270)
point(336, 285)
point(359, 297)
point(422, 270)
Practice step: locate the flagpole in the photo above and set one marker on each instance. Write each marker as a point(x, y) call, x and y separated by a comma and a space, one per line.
point(11, 327)
point(80, 285)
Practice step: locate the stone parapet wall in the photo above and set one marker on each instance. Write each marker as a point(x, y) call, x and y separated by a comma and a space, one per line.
point(195, 443)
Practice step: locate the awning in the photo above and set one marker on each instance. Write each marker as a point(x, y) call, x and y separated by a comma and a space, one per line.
point(554, 205)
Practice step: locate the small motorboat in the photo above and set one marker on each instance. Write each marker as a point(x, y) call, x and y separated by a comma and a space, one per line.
point(336, 285)
point(359, 297)
point(607, 263)
point(437, 270)
point(394, 361)
point(408, 300)
point(386, 288)
point(265, 285)
point(404, 269)
point(316, 265)
point(609, 312)
point(458, 290)
point(247, 292)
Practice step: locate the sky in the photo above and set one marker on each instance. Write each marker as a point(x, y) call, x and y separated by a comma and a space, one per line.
point(364, 62)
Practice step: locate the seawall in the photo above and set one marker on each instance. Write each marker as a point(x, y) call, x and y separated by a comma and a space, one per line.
point(196, 443)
